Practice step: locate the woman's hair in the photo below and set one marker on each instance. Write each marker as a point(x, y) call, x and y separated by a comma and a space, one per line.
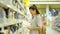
point(33, 7)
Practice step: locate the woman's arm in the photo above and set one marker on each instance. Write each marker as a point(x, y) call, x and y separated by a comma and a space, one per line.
point(34, 28)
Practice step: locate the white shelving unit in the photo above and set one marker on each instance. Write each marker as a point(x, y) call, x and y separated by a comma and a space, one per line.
point(10, 21)
point(20, 4)
point(5, 4)
point(8, 4)
point(7, 22)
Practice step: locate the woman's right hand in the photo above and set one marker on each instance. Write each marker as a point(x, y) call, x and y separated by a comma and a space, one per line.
point(30, 28)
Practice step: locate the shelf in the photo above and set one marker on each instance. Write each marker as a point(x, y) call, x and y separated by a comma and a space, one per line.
point(7, 22)
point(8, 4)
point(3, 4)
point(22, 6)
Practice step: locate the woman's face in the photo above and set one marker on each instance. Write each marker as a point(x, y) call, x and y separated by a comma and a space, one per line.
point(33, 12)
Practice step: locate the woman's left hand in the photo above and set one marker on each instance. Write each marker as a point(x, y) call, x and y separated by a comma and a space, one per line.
point(30, 28)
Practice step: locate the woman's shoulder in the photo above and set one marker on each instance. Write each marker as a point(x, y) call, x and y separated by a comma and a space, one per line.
point(38, 15)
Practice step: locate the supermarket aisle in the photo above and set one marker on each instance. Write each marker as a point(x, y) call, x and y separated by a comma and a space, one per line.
point(51, 31)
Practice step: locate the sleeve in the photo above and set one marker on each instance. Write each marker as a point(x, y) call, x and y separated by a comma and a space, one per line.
point(39, 21)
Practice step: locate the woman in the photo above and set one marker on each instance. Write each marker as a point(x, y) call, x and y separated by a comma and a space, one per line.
point(36, 23)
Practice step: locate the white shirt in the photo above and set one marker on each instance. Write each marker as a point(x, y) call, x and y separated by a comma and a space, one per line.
point(36, 22)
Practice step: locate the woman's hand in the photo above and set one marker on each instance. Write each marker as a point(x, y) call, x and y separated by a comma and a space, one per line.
point(30, 28)
point(35, 28)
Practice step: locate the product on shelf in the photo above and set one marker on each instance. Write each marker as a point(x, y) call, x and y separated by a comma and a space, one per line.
point(16, 15)
point(18, 6)
point(6, 27)
point(10, 13)
point(6, 12)
point(1, 14)
point(0, 29)
point(56, 24)
point(21, 1)
point(54, 12)
point(13, 28)
point(5, 30)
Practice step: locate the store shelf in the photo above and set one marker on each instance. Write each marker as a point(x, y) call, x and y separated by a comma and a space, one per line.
point(3, 4)
point(22, 6)
point(7, 22)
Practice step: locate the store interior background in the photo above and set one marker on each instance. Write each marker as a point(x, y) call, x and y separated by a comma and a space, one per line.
point(19, 15)
point(48, 18)
point(44, 6)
